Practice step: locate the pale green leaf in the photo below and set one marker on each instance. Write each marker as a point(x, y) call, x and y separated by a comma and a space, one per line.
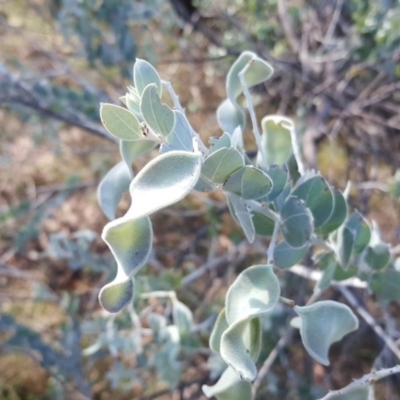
point(276, 138)
point(130, 241)
point(131, 150)
point(296, 222)
point(242, 215)
point(181, 137)
point(322, 324)
point(183, 317)
point(286, 256)
point(159, 117)
point(257, 72)
point(249, 183)
point(117, 294)
point(219, 328)
point(120, 122)
point(111, 188)
point(145, 74)
point(218, 166)
point(229, 387)
point(220, 142)
point(318, 197)
point(165, 180)
point(230, 116)
point(279, 176)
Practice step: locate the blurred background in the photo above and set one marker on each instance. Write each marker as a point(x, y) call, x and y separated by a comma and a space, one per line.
point(337, 70)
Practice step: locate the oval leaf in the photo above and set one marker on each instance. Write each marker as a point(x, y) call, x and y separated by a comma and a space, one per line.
point(338, 216)
point(220, 142)
point(263, 225)
point(163, 181)
point(131, 150)
point(378, 256)
point(144, 74)
point(159, 117)
point(322, 324)
point(120, 122)
point(230, 116)
point(296, 222)
point(286, 256)
point(111, 188)
point(248, 183)
point(318, 197)
point(181, 137)
point(218, 166)
point(279, 177)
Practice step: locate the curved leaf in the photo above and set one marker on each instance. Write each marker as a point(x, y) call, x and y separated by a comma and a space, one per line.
point(254, 293)
point(296, 222)
point(338, 216)
point(120, 122)
point(163, 181)
point(279, 176)
point(318, 197)
point(322, 324)
point(159, 117)
point(257, 72)
point(241, 215)
point(181, 137)
point(130, 241)
point(111, 188)
point(220, 142)
point(144, 74)
point(276, 138)
point(361, 231)
point(286, 256)
point(230, 116)
point(183, 317)
point(229, 387)
point(116, 295)
point(219, 328)
point(248, 183)
point(219, 165)
point(131, 150)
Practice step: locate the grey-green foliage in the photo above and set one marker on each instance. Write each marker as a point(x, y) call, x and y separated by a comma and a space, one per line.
point(299, 216)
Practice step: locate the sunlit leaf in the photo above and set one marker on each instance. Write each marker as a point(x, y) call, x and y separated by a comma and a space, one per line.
point(144, 74)
point(218, 166)
point(318, 197)
point(322, 324)
point(111, 188)
point(159, 117)
point(130, 241)
point(255, 292)
point(120, 122)
point(257, 72)
point(163, 181)
point(249, 183)
point(286, 256)
point(230, 116)
point(242, 215)
point(229, 387)
point(276, 138)
point(296, 222)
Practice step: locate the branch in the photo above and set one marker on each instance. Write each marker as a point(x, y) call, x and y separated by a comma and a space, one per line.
point(368, 379)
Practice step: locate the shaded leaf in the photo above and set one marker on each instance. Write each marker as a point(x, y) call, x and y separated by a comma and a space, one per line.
point(230, 116)
point(286, 256)
point(263, 225)
point(111, 188)
point(296, 222)
point(241, 215)
point(377, 257)
point(145, 74)
point(131, 150)
point(249, 183)
point(181, 137)
point(279, 177)
point(116, 295)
